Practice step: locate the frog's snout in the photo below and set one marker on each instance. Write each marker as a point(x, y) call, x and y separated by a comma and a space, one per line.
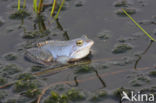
point(90, 42)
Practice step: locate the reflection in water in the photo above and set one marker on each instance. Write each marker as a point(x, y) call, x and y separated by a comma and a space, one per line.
point(40, 24)
point(140, 56)
point(97, 75)
point(59, 26)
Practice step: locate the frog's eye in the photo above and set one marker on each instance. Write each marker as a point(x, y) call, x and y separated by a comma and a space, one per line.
point(79, 42)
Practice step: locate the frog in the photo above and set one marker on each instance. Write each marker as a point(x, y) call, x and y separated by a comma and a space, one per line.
point(59, 51)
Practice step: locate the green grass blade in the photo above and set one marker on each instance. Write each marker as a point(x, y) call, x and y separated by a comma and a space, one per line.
point(35, 5)
point(59, 9)
point(53, 8)
point(24, 4)
point(40, 6)
point(138, 25)
point(19, 5)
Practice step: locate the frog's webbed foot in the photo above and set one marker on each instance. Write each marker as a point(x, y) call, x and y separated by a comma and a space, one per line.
point(38, 55)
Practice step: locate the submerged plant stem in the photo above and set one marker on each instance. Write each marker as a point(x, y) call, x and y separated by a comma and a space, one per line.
point(138, 25)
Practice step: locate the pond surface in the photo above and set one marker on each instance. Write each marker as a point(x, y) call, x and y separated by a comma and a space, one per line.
point(122, 58)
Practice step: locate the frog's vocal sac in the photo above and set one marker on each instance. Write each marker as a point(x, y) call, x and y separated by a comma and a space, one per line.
point(60, 51)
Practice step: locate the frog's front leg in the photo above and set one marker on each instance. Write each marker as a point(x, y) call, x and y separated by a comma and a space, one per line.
point(39, 55)
point(62, 59)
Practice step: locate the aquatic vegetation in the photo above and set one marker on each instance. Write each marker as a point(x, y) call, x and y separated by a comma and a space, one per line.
point(57, 98)
point(79, 3)
point(149, 90)
point(104, 35)
point(152, 73)
point(60, 87)
point(119, 91)
point(32, 93)
point(84, 69)
point(21, 14)
point(25, 76)
point(3, 94)
point(22, 85)
point(2, 80)
point(143, 79)
point(11, 101)
point(105, 65)
point(38, 8)
point(99, 95)
point(10, 56)
point(31, 35)
point(136, 83)
point(1, 21)
point(26, 81)
point(35, 34)
point(11, 69)
point(127, 14)
point(121, 3)
point(75, 95)
point(36, 68)
point(71, 95)
point(130, 11)
point(121, 48)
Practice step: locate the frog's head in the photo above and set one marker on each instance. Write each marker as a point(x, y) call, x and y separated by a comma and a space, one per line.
point(81, 47)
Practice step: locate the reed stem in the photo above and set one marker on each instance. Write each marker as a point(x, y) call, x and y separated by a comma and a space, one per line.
point(53, 8)
point(24, 4)
point(35, 5)
point(59, 9)
point(19, 5)
point(40, 6)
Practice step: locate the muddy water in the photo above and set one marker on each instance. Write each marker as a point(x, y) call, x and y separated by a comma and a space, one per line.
point(93, 18)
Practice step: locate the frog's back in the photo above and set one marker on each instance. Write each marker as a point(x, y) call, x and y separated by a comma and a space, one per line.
point(58, 48)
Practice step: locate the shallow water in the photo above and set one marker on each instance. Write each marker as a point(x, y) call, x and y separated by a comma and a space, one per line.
point(92, 19)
